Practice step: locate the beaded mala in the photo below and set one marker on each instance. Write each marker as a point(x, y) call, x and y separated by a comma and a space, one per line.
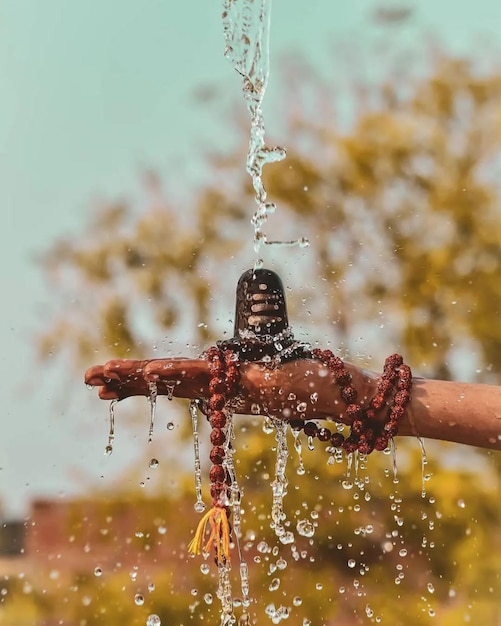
point(367, 433)
point(223, 386)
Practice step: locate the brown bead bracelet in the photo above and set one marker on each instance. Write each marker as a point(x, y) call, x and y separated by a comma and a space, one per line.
point(367, 433)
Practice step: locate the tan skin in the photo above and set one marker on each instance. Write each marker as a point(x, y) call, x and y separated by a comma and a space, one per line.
point(450, 411)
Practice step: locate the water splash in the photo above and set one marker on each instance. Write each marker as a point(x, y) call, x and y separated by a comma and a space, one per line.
point(246, 26)
point(111, 434)
point(152, 399)
point(199, 504)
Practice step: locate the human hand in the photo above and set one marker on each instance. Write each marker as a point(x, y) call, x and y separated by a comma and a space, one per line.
point(299, 389)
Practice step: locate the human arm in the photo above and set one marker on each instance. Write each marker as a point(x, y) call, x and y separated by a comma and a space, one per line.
point(450, 411)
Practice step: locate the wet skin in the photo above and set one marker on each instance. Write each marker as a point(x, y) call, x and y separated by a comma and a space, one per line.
point(450, 411)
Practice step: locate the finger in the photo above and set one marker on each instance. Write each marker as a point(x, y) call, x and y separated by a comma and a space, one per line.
point(185, 378)
point(107, 393)
point(94, 376)
point(124, 370)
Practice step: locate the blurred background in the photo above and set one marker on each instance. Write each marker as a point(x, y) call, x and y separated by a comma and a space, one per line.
point(123, 138)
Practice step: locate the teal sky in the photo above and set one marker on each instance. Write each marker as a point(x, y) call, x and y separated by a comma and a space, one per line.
point(90, 93)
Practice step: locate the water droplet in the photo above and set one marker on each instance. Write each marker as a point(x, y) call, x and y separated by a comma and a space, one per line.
point(108, 450)
point(297, 601)
point(151, 587)
point(98, 571)
point(153, 620)
point(275, 584)
point(263, 547)
point(352, 563)
point(199, 506)
point(204, 568)
point(301, 407)
point(208, 598)
point(461, 504)
point(319, 586)
point(139, 599)
point(287, 538)
point(305, 528)
point(281, 564)
point(170, 425)
point(154, 463)
point(430, 588)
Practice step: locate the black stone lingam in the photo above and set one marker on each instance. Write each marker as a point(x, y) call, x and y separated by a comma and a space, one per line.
point(261, 330)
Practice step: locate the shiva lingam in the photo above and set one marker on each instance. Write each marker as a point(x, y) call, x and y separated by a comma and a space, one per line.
point(262, 334)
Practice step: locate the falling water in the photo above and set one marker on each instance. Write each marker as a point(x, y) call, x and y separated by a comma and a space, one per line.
point(424, 463)
point(111, 435)
point(225, 595)
point(152, 399)
point(199, 504)
point(246, 25)
point(235, 503)
point(279, 485)
point(394, 460)
point(229, 465)
point(298, 447)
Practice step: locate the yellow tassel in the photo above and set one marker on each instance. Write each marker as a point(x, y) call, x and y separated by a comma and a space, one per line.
point(219, 536)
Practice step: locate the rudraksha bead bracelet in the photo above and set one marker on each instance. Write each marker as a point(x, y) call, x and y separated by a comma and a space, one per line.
point(367, 433)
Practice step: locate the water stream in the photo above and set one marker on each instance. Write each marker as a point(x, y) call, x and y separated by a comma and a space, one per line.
point(246, 26)
point(199, 504)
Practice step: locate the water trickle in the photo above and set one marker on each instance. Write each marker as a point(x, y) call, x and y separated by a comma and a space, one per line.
point(199, 504)
point(244, 583)
point(394, 460)
point(152, 399)
point(424, 462)
point(229, 465)
point(225, 596)
point(298, 447)
point(111, 434)
point(170, 390)
point(279, 484)
point(246, 25)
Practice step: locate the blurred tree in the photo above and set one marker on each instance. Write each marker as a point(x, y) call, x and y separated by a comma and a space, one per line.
point(402, 210)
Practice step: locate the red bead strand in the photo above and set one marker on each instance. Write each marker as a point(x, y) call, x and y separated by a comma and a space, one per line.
point(366, 434)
